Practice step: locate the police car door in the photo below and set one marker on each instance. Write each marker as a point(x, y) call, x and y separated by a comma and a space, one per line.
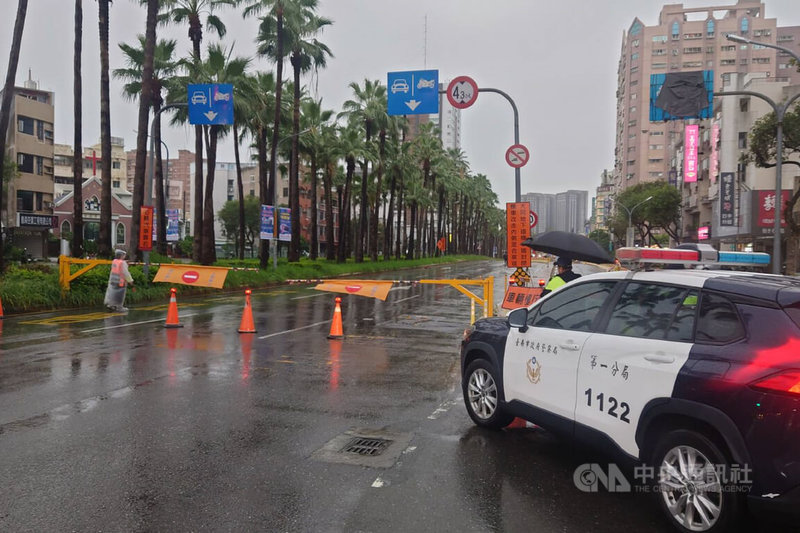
point(635, 359)
point(540, 363)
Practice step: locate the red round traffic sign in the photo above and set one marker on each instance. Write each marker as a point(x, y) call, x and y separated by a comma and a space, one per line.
point(534, 219)
point(462, 92)
point(190, 276)
point(517, 156)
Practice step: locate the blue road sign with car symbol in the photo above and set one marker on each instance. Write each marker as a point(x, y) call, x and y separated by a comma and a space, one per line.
point(210, 103)
point(415, 92)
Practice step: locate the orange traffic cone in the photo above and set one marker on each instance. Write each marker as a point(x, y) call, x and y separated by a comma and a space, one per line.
point(1, 309)
point(336, 325)
point(519, 423)
point(172, 312)
point(247, 325)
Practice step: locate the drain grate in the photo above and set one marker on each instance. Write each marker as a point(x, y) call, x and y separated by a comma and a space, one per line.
point(366, 446)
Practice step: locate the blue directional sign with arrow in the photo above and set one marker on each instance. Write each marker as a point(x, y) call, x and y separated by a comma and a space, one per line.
point(415, 92)
point(210, 104)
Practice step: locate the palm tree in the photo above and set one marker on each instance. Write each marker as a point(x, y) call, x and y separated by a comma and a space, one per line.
point(351, 148)
point(104, 237)
point(77, 160)
point(164, 67)
point(8, 93)
point(193, 11)
point(366, 108)
point(259, 91)
point(146, 82)
point(307, 53)
point(314, 119)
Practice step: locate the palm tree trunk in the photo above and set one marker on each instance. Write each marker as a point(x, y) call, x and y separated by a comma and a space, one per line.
point(273, 152)
point(400, 213)
point(388, 221)
point(373, 228)
point(161, 203)
point(329, 227)
point(344, 214)
point(314, 253)
point(209, 244)
point(264, 189)
point(294, 167)
point(8, 93)
point(240, 187)
point(104, 238)
point(77, 160)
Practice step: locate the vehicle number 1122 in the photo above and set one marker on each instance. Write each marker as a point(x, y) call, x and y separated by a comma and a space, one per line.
point(609, 405)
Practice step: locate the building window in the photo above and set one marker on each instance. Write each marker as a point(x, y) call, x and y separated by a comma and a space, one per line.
point(659, 51)
point(25, 124)
point(635, 43)
point(676, 30)
point(39, 165)
point(709, 49)
point(115, 184)
point(761, 60)
point(115, 165)
point(634, 83)
point(742, 140)
point(91, 204)
point(658, 66)
point(693, 50)
point(634, 70)
point(655, 160)
point(286, 191)
point(659, 38)
point(24, 200)
point(633, 109)
point(727, 62)
point(25, 162)
point(654, 133)
point(656, 146)
point(634, 96)
point(745, 25)
point(710, 28)
point(655, 175)
point(762, 33)
point(91, 231)
point(634, 56)
point(692, 64)
point(728, 48)
point(65, 228)
point(120, 233)
point(690, 36)
point(784, 38)
point(252, 192)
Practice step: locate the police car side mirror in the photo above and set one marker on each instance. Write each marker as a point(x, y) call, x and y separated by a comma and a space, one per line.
point(518, 318)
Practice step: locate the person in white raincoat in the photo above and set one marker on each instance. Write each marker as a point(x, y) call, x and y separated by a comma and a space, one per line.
point(118, 282)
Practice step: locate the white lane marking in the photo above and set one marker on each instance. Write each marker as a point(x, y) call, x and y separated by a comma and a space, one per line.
point(293, 330)
point(410, 449)
point(312, 296)
point(409, 298)
point(443, 408)
point(378, 483)
point(133, 324)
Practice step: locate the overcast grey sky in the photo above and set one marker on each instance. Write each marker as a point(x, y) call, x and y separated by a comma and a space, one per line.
point(556, 59)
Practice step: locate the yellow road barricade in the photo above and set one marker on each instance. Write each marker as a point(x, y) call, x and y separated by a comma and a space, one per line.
point(459, 284)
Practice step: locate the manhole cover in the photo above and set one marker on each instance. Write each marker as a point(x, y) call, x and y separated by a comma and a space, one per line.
point(365, 446)
point(375, 448)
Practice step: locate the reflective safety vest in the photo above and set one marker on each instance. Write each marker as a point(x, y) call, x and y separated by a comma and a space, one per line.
point(554, 283)
point(116, 277)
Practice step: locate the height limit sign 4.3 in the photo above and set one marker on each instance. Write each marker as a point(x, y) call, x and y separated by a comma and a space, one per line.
point(462, 92)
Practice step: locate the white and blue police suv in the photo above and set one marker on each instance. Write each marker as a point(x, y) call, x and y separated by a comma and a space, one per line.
point(693, 372)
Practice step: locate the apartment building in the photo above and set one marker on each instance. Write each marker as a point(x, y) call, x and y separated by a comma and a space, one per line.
point(565, 211)
point(63, 167)
point(28, 213)
point(684, 40)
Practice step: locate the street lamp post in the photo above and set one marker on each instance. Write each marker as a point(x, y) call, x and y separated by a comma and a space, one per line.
point(629, 231)
point(780, 112)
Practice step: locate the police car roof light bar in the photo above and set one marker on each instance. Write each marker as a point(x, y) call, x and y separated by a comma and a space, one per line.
point(674, 256)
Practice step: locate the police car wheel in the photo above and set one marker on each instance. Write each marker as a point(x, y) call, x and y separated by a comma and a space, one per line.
point(482, 396)
point(693, 485)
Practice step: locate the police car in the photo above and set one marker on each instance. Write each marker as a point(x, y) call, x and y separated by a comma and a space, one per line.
point(695, 373)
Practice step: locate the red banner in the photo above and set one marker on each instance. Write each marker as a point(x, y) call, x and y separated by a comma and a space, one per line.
point(146, 228)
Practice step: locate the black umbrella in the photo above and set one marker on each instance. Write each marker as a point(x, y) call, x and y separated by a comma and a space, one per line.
point(571, 245)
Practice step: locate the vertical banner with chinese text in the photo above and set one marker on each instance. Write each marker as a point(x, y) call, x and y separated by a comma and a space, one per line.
point(691, 138)
point(146, 228)
point(173, 228)
point(727, 199)
point(518, 228)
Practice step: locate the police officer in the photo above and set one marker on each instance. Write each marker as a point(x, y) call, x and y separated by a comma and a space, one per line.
point(564, 276)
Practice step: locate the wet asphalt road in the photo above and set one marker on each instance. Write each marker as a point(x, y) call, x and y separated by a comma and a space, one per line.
point(113, 423)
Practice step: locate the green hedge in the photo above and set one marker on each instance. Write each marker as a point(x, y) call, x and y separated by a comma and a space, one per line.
point(35, 287)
